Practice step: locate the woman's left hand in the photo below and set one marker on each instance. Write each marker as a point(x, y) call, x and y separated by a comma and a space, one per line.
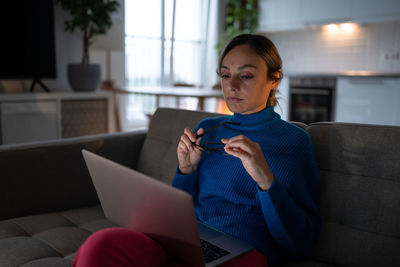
point(252, 158)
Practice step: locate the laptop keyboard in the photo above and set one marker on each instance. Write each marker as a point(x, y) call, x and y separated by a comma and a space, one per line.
point(211, 252)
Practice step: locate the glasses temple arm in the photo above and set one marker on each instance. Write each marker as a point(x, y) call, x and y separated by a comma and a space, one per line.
point(215, 127)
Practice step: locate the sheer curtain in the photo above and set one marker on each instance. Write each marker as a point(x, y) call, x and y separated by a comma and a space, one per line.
point(168, 42)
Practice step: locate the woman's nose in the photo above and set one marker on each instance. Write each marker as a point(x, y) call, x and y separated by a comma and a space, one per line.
point(234, 83)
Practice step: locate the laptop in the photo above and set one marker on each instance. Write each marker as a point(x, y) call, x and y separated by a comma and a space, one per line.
point(136, 201)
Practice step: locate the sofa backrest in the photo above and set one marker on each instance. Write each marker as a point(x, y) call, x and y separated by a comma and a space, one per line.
point(360, 193)
point(51, 176)
point(158, 156)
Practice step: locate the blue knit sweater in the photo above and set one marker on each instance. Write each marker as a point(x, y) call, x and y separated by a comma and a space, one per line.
point(284, 220)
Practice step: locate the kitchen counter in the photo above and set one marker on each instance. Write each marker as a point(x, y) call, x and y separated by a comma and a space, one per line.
point(344, 74)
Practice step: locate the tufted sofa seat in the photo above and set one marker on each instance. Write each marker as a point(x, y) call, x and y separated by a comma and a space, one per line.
point(49, 239)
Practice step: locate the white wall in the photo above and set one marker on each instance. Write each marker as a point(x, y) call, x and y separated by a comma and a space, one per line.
point(109, 50)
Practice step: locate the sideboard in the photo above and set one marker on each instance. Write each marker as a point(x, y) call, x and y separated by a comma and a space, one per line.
point(30, 117)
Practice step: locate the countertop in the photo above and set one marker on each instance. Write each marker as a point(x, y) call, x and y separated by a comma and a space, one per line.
point(344, 74)
point(26, 96)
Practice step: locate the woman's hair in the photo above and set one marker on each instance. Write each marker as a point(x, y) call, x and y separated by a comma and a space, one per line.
point(266, 49)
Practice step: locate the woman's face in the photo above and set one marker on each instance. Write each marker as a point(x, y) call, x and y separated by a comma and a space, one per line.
point(244, 82)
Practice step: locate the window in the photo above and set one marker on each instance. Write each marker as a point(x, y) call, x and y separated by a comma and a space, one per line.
point(166, 43)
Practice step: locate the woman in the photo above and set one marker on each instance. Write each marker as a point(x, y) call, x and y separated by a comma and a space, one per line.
point(251, 175)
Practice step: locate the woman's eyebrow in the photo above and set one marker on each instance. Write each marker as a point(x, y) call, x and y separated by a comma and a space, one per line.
point(248, 66)
point(241, 67)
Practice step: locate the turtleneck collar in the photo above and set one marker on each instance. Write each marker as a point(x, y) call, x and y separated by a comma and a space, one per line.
point(260, 117)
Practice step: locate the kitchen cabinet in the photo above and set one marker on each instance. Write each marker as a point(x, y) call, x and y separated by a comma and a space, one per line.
point(371, 10)
point(276, 15)
point(279, 15)
point(317, 12)
point(371, 100)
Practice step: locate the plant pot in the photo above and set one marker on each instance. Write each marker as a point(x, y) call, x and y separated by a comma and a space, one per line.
point(84, 77)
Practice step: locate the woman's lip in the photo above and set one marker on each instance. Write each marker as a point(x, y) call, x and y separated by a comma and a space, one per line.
point(234, 99)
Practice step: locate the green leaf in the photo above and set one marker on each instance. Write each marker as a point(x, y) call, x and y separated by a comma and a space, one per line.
point(93, 16)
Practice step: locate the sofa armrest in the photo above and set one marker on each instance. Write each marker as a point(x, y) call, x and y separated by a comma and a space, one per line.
point(52, 176)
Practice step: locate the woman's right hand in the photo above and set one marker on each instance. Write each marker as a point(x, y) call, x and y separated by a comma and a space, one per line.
point(188, 154)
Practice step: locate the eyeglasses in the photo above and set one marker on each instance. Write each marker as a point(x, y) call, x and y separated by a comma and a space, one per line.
point(217, 147)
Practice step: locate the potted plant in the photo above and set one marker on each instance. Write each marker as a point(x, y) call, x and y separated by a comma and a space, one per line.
point(91, 17)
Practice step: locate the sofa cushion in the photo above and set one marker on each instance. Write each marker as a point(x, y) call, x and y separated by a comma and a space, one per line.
point(48, 239)
point(158, 155)
point(49, 262)
point(360, 193)
point(18, 250)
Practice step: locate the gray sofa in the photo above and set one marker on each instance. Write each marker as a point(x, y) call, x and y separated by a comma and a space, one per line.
point(49, 206)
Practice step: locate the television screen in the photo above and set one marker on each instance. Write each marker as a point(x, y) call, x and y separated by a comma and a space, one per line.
point(27, 45)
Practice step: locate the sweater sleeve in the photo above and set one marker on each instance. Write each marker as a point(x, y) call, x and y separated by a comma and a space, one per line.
point(186, 182)
point(290, 206)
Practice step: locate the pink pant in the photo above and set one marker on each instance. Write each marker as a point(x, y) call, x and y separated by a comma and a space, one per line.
point(123, 247)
